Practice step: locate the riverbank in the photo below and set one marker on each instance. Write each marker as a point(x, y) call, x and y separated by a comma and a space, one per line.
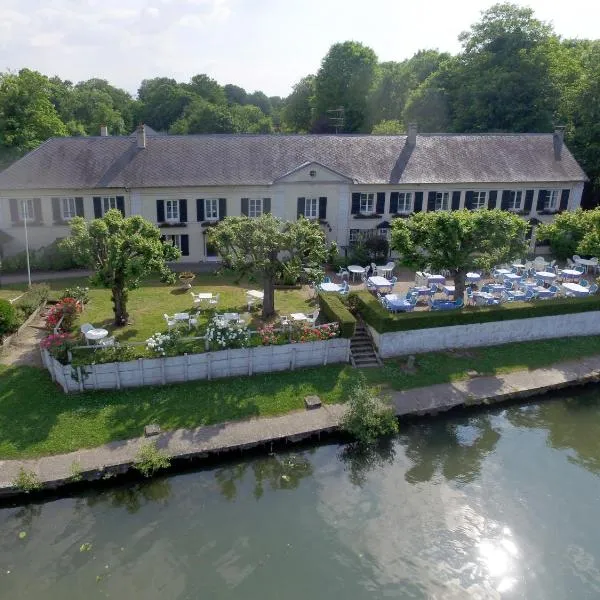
point(201, 442)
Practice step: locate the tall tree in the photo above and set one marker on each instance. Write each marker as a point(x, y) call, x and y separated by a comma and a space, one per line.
point(205, 87)
point(344, 80)
point(27, 116)
point(235, 94)
point(162, 102)
point(298, 110)
point(260, 246)
point(122, 251)
point(566, 232)
point(459, 241)
point(201, 116)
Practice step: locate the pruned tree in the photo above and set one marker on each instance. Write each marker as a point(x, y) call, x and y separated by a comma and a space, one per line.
point(122, 251)
point(259, 247)
point(459, 241)
point(567, 231)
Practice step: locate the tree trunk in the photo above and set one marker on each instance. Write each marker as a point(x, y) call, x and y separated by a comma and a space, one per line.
point(459, 284)
point(119, 299)
point(269, 298)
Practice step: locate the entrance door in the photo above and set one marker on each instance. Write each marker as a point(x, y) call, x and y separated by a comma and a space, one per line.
point(210, 253)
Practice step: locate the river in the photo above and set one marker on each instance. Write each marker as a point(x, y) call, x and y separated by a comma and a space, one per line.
point(500, 503)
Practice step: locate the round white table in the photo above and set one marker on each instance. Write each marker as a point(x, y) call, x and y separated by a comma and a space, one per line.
point(356, 269)
point(571, 274)
point(95, 335)
point(330, 287)
point(512, 277)
point(473, 277)
point(574, 289)
point(546, 275)
point(503, 271)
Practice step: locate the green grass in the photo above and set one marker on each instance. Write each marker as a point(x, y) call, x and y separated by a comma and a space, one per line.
point(36, 418)
point(148, 304)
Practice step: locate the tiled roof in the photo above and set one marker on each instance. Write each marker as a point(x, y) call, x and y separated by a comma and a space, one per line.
point(223, 159)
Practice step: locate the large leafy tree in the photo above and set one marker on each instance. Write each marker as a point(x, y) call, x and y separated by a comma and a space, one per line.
point(344, 80)
point(162, 102)
point(298, 110)
point(566, 232)
point(459, 241)
point(259, 247)
point(122, 251)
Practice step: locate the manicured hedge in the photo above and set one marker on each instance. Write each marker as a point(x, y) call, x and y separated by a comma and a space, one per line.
point(335, 310)
point(383, 321)
point(8, 318)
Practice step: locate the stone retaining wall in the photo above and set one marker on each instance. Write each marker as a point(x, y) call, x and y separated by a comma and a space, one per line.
point(209, 365)
point(400, 343)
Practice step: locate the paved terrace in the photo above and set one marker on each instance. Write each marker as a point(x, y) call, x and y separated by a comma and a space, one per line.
point(117, 457)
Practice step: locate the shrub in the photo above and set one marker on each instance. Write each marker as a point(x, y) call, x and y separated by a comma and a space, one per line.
point(26, 481)
point(368, 417)
point(334, 309)
point(59, 345)
point(81, 294)
point(47, 258)
point(98, 356)
point(64, 312)
point(163, 344)
point(8, 317)
point(222, 335)
point(31, 300)
point(150, 459)
point(303, 332)
point(378, 249)
point(383, 321)
point(268, 336)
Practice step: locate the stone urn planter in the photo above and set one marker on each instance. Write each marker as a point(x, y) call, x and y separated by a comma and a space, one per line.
point(186, 279)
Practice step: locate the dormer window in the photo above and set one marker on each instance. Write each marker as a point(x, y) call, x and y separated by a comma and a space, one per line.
point(312, 173)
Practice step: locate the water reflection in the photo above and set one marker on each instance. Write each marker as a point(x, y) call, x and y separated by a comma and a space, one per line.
point(360, 460)
point(572, 424)
point(279, 473)
point(132, 497)
point(455, 448)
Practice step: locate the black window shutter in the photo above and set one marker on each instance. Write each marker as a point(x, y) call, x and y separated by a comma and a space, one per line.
point(492, 200)
point(199, 209)
point(541, 200)
point(455, 200)
point(431, 202)
point(505, 199)
point(393, 203)
point(185, 245)
point(97, 207)
point(300, 207)
point(79, 206)
point(418, 202)
point(266, 205)
point(56, 212)
point(528, 200)
point(222, 208)
point(160, 211)
point(37, 210)
point(245, 206)
point(183, 211)
point(14, 210)
point(355, 203)
point(322, 207)
point(564, 199)
point(380, 206)
point(469, 200)
point(121, 204)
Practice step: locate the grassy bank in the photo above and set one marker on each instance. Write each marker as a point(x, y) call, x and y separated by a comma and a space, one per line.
point(36, 418)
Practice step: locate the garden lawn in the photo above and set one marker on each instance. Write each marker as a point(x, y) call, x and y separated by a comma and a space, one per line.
point(36, 418)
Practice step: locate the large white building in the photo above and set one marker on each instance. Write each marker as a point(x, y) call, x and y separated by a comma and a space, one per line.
point(353, 184)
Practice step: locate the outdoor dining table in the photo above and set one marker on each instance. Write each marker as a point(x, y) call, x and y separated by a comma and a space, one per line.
point(435, 278)
point(485, 295)
point(384, 270)
point(516, 294)
point(396, 302)
point(356, 270)
point(95, 335)
point(330, 287)
point(546, 275)
point(299, 317)
point(512, 277)
point(503, 271)
point(256, 294)
point(496, 287)
point(473, 277)
point(576, 289)
point(586, 262)
point(448, 289)
point(379, 282)
point(518, 266)
point(570, 274)
point(542, 292)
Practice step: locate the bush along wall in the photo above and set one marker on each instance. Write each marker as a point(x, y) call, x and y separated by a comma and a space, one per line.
point(334, 309)
point(383, 321)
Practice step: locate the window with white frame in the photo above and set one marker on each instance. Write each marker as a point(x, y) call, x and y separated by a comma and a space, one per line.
point(515, 200)
point(311, 208)
point(108, 202)
point(404, 202)
point(552, 200)
point(255, 207)
point(68, 208)
point(367, 204)
point(172, 210)
point(211, 209)
point(353, 237)
point(175, 240)
point(26, 210)
point(479, 200)
point(442, 200)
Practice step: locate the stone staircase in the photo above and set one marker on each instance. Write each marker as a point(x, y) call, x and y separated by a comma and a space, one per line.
point(362, 351)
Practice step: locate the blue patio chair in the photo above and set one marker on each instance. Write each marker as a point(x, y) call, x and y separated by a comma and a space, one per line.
point(529, 295)
point(584, 283)
point(485, 288)
point(553, 289)
point(326, 279)
point(508, 285)
point(540, 282)
point(459, 303)
point(345, 288)
point(393, 281)
point(593, 288)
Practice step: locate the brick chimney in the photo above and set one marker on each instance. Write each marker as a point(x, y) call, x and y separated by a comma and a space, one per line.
point(411, 138)
point(141, 136)
point(559, 137)
point(103, 130)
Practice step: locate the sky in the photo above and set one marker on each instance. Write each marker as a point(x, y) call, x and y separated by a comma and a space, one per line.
point(263, 45)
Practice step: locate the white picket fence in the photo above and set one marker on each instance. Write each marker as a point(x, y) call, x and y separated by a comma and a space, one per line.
point(191, 367)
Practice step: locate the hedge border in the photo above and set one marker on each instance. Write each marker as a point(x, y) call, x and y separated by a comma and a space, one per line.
point(383, 321)
point(334, 309)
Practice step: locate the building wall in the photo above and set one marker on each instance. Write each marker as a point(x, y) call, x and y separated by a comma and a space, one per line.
point(284, 196)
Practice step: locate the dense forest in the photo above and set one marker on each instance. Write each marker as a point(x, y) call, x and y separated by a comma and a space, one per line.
point(513, 74)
